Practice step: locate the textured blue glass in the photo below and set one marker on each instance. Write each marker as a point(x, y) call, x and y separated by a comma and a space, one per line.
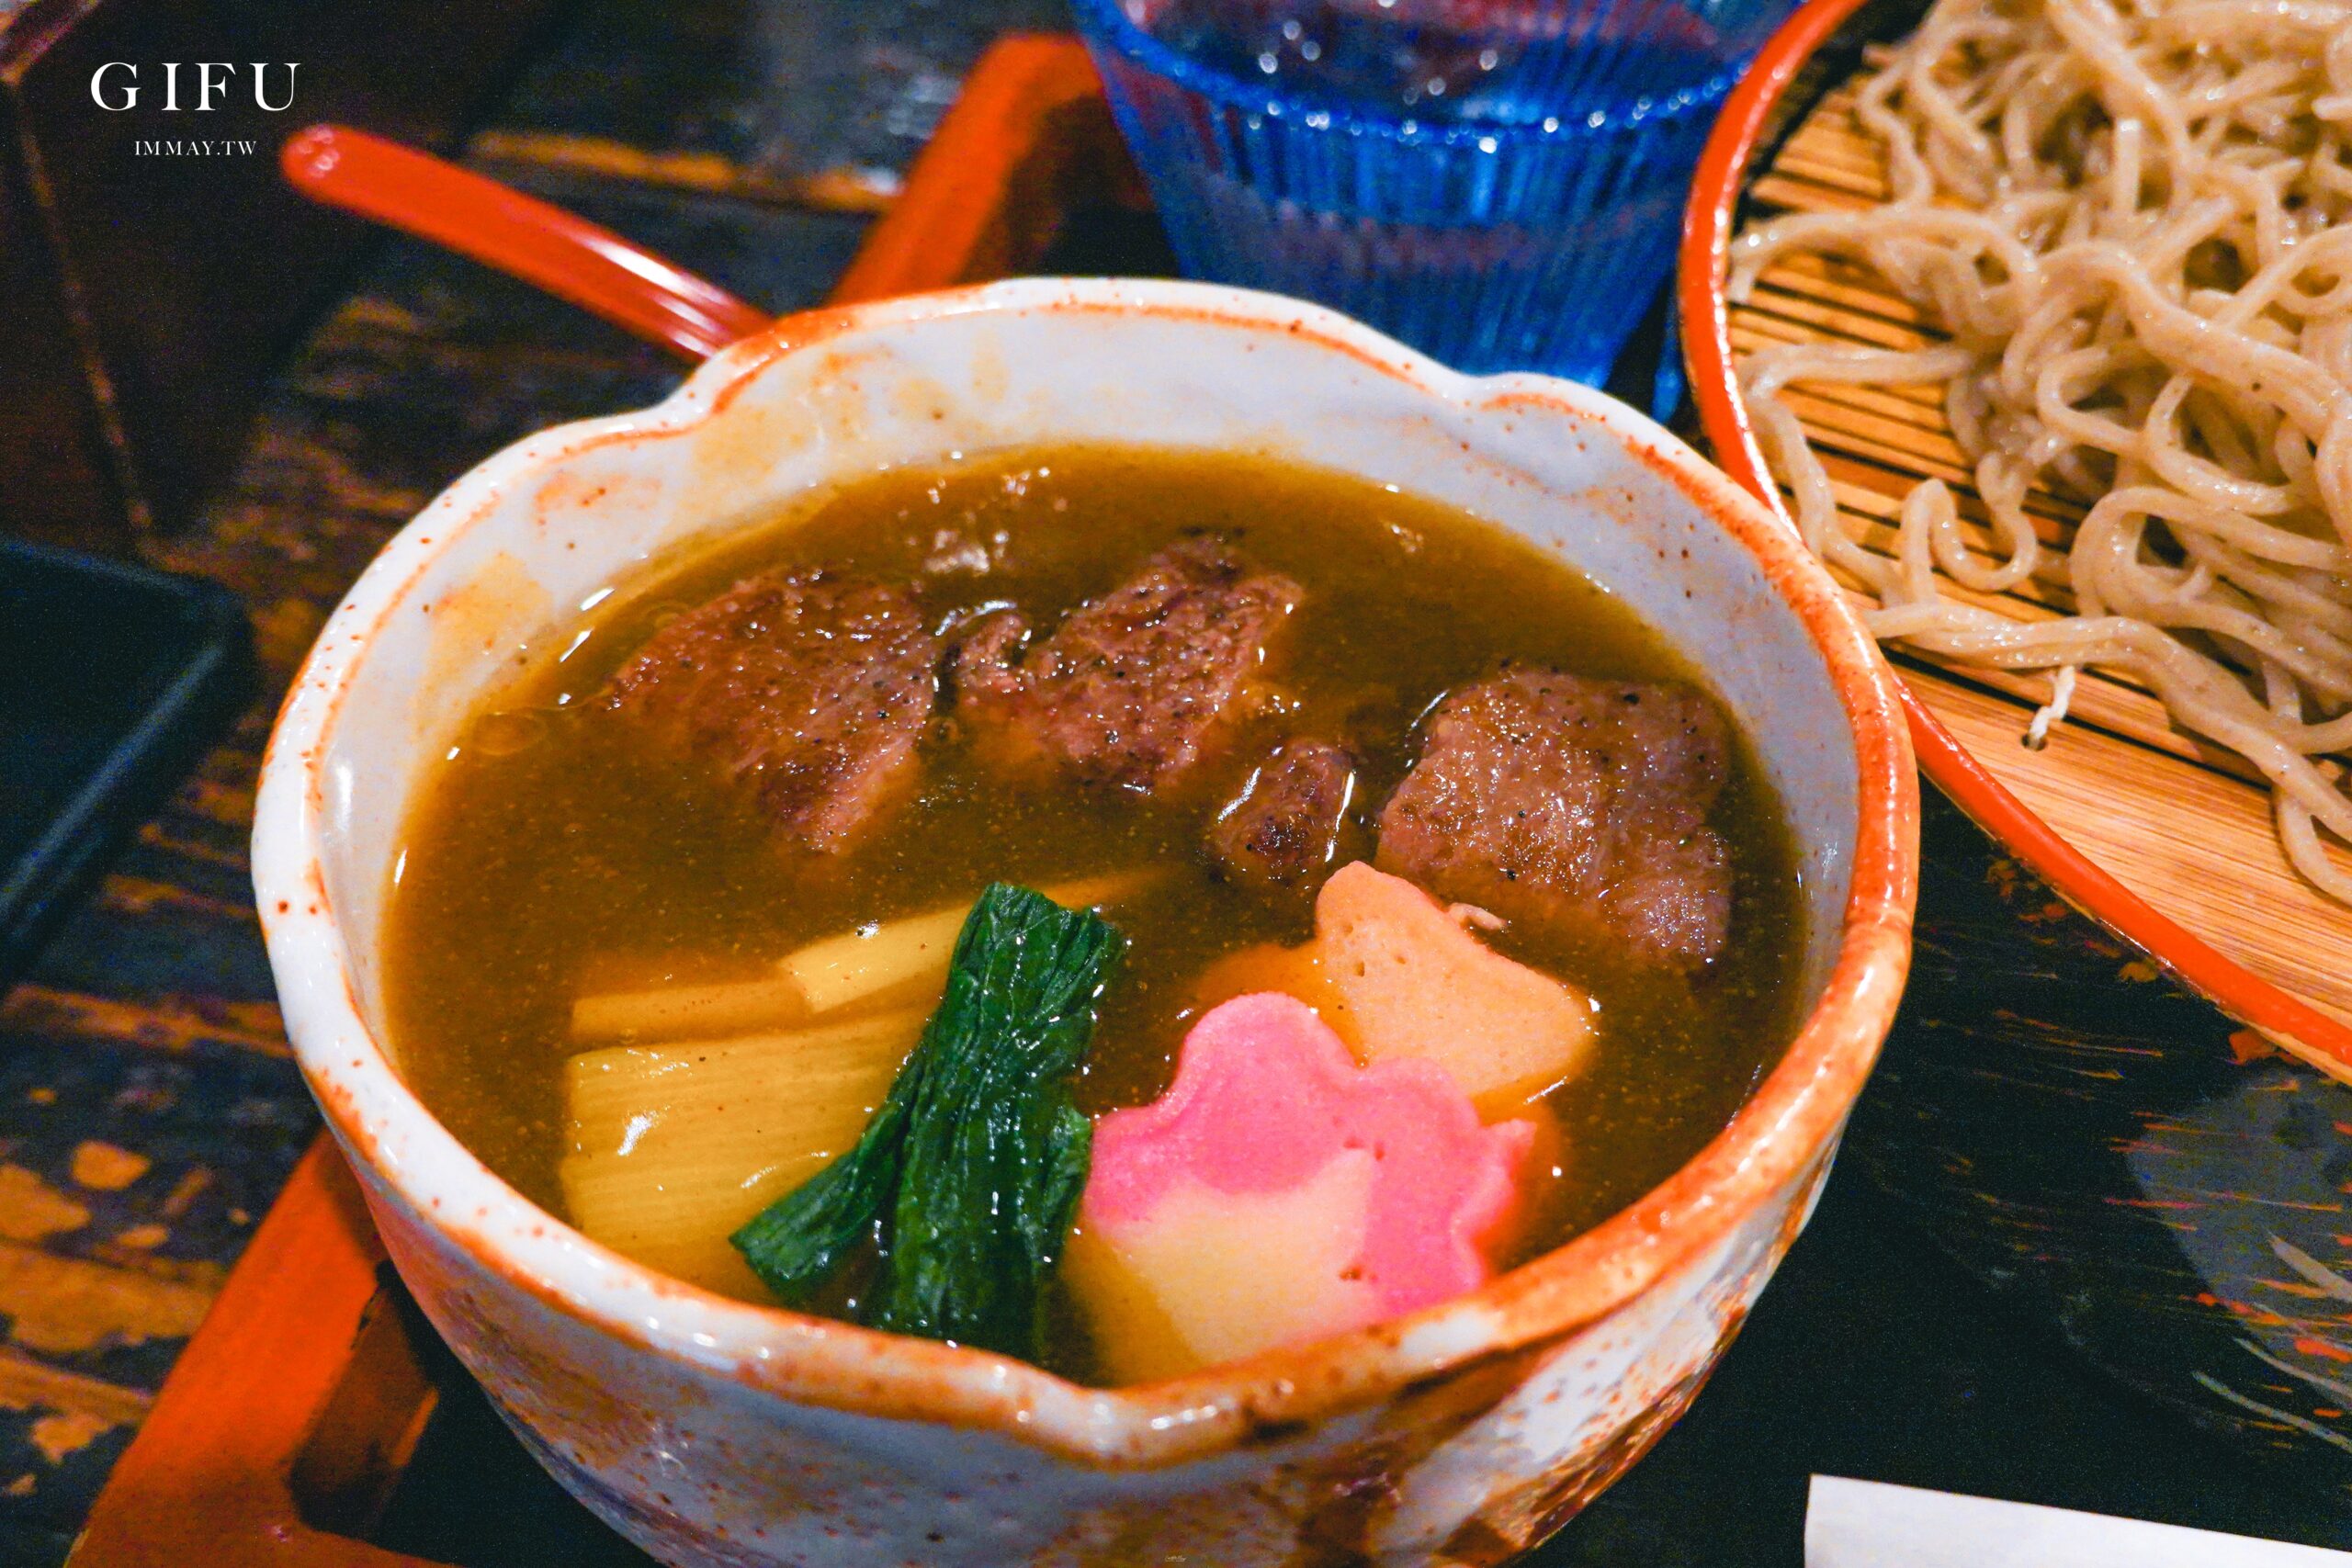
point(1522, 213)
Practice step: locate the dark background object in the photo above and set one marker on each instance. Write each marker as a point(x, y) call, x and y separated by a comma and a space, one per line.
point(154, 268)
point(113, 679)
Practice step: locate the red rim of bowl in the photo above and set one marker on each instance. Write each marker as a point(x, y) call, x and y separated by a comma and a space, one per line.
point(1706, 239)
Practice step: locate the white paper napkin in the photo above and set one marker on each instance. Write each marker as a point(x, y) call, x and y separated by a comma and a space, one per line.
point(1863, 1524)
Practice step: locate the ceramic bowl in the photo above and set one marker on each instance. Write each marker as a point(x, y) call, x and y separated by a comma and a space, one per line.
point(712, 1432)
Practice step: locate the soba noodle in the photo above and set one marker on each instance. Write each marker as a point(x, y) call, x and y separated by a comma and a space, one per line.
point(2134, 224)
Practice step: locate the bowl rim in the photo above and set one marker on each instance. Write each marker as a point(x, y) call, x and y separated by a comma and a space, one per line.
point(1783, 1133)
point(1106, 25)
point(1704, 266)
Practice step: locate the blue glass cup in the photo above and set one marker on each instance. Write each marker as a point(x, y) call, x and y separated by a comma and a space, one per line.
point(1498, 183)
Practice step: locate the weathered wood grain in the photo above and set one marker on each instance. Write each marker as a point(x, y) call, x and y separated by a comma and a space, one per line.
point(749, 140)
point(149, 1025)
point(518, 155)
point(782, 90)
point(311, 1297)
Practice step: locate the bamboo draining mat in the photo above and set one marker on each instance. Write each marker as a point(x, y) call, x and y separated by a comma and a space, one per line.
point(2183, 824)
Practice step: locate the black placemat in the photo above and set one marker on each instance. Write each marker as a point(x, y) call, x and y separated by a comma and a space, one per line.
point(112, 677)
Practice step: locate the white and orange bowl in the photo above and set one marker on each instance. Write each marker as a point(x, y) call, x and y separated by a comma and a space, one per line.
point(713, 1432)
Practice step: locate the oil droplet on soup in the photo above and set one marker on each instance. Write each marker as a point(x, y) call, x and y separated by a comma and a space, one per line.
point(556, 855)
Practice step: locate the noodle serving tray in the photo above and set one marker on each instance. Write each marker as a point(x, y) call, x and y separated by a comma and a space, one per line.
point(2161, 837)
point(2158, 1188)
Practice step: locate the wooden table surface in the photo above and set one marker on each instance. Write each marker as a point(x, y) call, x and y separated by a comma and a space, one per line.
point(149, 1111)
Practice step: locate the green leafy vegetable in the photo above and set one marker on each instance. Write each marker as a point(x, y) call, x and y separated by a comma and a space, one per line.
point(968, 1173)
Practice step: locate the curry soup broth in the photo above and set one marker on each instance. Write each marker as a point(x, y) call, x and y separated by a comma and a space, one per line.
point(547, 855)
